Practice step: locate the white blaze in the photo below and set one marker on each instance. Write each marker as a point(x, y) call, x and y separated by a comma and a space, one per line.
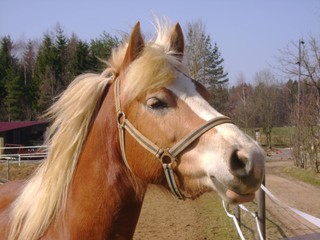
point(185, 89)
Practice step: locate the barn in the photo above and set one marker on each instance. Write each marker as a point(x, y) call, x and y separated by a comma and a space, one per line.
point(27, 133)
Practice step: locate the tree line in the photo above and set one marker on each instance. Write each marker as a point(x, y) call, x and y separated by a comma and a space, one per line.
point(30, 82)
point(33, 74)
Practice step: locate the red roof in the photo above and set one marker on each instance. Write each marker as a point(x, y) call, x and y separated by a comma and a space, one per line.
point(7, 126)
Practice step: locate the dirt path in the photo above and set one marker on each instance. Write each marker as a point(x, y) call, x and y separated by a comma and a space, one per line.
point(296, 194)
point(164, 217)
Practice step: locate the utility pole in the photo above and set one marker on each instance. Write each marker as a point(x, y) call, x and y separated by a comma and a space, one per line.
point(301, 42)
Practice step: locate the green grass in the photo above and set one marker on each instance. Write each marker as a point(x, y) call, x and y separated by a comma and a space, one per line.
point(280, 136)
point(305, 175)
point(221, 227)
point(284, 131)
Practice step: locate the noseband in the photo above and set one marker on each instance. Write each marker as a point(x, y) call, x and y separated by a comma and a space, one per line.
point(167, 156)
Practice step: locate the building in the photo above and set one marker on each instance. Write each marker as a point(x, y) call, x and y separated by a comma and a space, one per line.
point(27, 133)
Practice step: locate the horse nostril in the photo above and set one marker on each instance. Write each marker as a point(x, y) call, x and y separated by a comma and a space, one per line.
point(239, 163)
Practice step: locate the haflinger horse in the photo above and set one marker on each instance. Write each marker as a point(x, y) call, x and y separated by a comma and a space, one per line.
point(142, 121)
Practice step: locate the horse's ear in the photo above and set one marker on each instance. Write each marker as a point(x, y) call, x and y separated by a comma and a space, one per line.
point(135, 46)
point(177, 41)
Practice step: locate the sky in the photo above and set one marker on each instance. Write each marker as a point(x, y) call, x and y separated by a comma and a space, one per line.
point(249, 33)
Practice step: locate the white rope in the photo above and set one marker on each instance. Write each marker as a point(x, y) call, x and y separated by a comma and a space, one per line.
point(255, 217)
point(236, 223)
point(314, 220)
point(234, 220)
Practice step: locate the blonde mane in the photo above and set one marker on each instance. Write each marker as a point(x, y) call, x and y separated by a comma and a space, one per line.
point(44, 195)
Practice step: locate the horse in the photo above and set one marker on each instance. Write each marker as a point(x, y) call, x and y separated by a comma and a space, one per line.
point(142, 121)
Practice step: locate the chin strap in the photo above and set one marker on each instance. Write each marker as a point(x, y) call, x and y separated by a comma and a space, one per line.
point(167, 156)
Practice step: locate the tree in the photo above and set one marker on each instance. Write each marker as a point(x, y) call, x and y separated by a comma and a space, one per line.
point(195, 49)
point(5, 63)
point(80, 62)
point(45, 77)
point(266, 97)
point(52, 68)
point(100, 49)
point(241, 105)
point(61, 60)
point(204, 61)
point(206, 64)
point(306, 117)
point(11, 89)
point(214, 64)
point(28, 64)
point(14, 99)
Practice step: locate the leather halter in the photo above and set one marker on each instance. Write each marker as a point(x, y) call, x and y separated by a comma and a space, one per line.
point(167, 156)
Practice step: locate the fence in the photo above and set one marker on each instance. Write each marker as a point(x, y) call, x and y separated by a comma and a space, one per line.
point(260, 216)
point(18, 153)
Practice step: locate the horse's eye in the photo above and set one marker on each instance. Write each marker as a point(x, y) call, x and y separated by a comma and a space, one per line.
point(156, 103)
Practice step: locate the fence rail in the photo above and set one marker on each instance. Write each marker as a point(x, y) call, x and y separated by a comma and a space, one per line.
point(21, 153)
point(17, 154)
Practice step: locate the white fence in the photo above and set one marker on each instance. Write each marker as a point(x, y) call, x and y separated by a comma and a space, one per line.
point(17, 154)
point(22, 153)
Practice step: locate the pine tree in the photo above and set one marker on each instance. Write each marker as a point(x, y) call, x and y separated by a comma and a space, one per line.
point(100, 49)
point(80, 62)
point(45, 77)
point(5, 62)
point(60, 66)
point(30, 86)
point(14, 99)
point(204, 61)
point(216, 69)
point(11, 87)
point(206, 64)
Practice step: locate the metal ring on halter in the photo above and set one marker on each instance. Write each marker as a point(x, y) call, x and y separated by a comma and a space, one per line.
point(166, 157)
point(121, 115)
point(167, 160)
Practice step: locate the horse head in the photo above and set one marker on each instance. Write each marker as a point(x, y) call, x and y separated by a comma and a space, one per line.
point(164, 109)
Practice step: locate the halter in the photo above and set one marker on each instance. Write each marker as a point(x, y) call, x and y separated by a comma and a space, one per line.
point(167, 156)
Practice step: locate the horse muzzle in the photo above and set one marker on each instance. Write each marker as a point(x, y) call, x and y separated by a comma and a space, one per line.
point(246, 172)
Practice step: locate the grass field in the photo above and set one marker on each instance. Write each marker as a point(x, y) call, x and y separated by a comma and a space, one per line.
point(304, 175)
point(281, 137)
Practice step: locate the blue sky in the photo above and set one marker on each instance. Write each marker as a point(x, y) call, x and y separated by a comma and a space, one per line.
point(249, 33)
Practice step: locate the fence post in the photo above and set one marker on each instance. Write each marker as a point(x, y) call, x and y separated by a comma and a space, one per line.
point(262, 210)
point(8, 169)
